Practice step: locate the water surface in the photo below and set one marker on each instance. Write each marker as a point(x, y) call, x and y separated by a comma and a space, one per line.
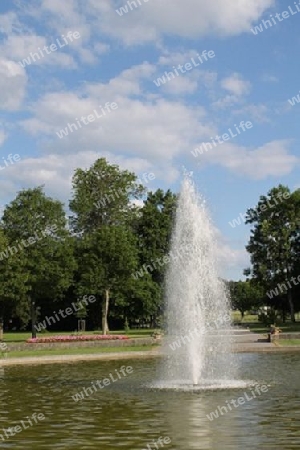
point(127, 415)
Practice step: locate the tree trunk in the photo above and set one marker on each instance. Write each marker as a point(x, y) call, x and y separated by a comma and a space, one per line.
point(283, 314)
point(105, 306)
point(33, 319)
point(290, 299)
point(242, 314)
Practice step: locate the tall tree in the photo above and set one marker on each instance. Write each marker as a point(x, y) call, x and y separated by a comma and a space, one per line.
point(103, 195)
point(109, 257)
point(103, 206)
point(245, 295)
point(274, 239)
point(35, 227)
point(154, 229)
point(13, 287)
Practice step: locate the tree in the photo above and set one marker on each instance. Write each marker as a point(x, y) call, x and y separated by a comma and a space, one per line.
point(154, 230)
point(13, 287)
point(109, 257)
point(274, 239)
point(102, 195)
point(245, 295)
point(35, 227)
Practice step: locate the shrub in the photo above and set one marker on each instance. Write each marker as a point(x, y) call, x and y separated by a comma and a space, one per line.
point(78, 338)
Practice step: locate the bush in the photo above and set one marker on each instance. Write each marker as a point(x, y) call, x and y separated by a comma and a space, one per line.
point(126, 326)
point(268, 318)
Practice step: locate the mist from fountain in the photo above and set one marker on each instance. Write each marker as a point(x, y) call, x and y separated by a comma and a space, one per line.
point(198, 333)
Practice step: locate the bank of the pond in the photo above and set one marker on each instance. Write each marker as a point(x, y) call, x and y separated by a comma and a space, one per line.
point(130, 353)
point(134, 353)
point(25, 347)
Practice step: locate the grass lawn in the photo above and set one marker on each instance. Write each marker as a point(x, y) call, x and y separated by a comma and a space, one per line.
point(22, 336)
point(251, 321)
point(248, 318)
point(78, 351)
point(284, 342)
point(285, 327)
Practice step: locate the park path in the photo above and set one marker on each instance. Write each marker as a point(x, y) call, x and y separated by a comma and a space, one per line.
point(244, 342)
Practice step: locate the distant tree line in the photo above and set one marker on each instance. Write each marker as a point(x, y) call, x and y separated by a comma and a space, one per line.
point(273, 279)
point(49, 260)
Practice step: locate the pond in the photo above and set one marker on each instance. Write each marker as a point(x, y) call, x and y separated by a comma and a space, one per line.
point(62, 406)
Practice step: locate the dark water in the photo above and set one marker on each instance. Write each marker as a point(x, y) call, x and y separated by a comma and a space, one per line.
point(126, 415)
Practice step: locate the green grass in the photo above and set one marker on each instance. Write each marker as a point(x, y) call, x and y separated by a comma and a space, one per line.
point(251, 321)
point(285, 342)
point(78, 351)
point(248, 318)
point(286, 327)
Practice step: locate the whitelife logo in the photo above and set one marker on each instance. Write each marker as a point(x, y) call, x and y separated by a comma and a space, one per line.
point(33, 56)
point(263, 207)
point(86, 120)
point(294, 100)
point(270, 23)
point(68, 311)
point(168, 76)
point(216, 324)
point(284, 287)
point(10, 160)
point(12, 431)
point(124, 9)
point(221, 410)
point(217, 140)
point(87, 391)
point(159, 443)
point(20, 245)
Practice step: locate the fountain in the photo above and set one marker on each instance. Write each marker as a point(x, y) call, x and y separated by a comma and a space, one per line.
point(198, 341)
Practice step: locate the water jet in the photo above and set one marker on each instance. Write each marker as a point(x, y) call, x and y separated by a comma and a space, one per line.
point(199, 335)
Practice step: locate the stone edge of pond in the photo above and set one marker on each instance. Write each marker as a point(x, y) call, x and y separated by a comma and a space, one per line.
point(128, 355)
point(77, 358)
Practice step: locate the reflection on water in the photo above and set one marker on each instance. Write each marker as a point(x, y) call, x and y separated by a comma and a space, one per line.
point(128, 415)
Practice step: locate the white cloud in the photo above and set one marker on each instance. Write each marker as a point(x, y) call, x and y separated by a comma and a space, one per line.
point(13, 82)
point(270, 78)
point(236, 85)
point(19, 47)
point(232, 260)
point(101, 48)
point(259, 113)
point(3, 136)
point(191, 19)
point(156, 128)
point(9, 23)
point(270, 160)
point(55, 171)
point(181, 85)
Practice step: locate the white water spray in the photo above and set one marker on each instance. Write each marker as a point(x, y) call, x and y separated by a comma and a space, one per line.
point(198, 337)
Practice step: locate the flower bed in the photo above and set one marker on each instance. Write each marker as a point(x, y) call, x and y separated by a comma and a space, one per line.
point(95, 337)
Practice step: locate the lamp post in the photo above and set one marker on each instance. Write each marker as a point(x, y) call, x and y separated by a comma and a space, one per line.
point(33, 319)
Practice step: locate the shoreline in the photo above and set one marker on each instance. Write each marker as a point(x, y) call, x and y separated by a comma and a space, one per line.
point(114, 356)
point(60, 359)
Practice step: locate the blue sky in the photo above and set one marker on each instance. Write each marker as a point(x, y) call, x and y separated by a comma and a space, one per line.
point(115, 59)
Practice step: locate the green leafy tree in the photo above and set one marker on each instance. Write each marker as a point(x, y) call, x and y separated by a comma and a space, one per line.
point(245, 296)
point(108, 259)
point(35, 227)
point(102, 195)
point(274, 240)
point(154, 230)
point(13, 287)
